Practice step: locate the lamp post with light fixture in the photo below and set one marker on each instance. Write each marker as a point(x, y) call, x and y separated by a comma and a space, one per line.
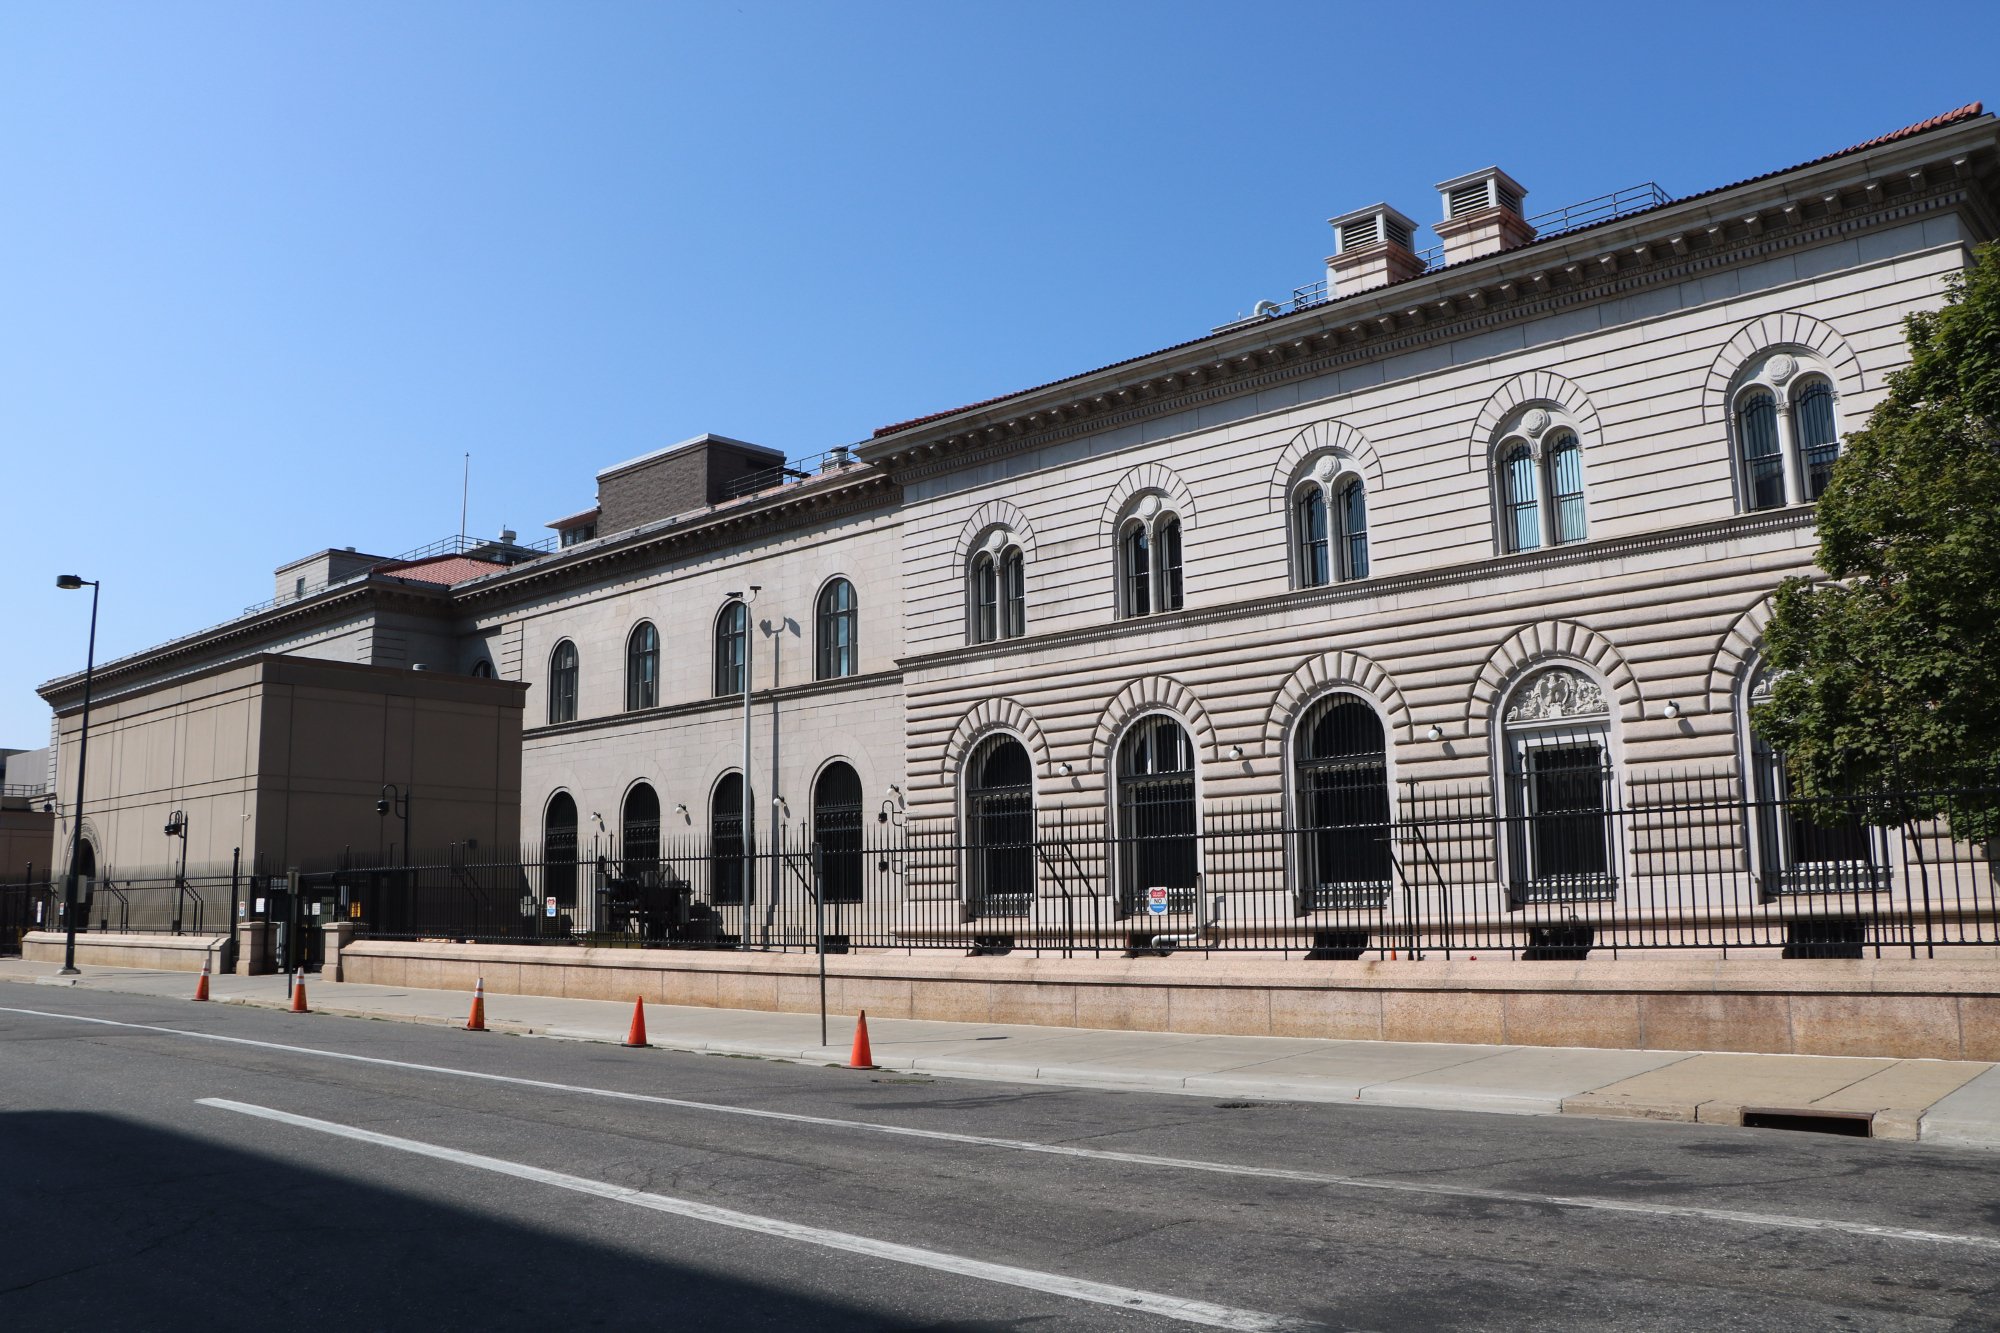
point(177, 827)
point(70, 583)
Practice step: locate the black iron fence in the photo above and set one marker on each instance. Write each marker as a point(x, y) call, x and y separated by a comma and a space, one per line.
point(1562, 864)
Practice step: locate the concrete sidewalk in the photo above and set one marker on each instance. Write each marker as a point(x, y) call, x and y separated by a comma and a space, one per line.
point(1942, 1101)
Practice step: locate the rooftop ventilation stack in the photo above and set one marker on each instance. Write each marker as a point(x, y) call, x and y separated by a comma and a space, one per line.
point(1371, 249)
point(1482, 215)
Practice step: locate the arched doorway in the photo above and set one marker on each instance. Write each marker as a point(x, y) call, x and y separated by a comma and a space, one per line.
point(559, 849)
point(725, 841)
point(639, 832)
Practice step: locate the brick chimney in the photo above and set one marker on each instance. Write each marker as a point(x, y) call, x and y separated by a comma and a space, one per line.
point(1482, 215)
point(1371, 248)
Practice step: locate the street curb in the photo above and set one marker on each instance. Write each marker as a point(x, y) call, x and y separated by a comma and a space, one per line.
point(1905, 1124)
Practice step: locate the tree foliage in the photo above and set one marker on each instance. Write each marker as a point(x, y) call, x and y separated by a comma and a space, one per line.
point(1887, 678)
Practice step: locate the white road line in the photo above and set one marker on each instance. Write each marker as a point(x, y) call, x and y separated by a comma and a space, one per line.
point(1435, 1189)
point(1054, 1284)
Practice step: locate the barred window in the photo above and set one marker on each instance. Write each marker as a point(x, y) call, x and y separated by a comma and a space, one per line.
point(1000, 827)
point(1013, 595)
point(1309, 532)
point(1804, 846)
point(725, 841)
point(836, 621)
point(562, 682)
point(1819, 442)
point(1762, 454)
point(1341, 802)
point(985, 600)
point(1520, 492)
point(1353, 530)
point(642, 667)
point(836, 823)
point(1157, 818)
point(1138, 562)
point(559, 849)
point(639, 833)
point(1565, 469)
point(1559, 805)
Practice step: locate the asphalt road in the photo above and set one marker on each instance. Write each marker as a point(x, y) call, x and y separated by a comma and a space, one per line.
point(155, 1180)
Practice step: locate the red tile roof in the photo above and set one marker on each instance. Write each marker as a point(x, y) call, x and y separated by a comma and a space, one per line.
point(444, 569)
point(1953, 117)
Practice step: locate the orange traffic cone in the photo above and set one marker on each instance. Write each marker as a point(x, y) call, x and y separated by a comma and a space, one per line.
point(862, 1058)
point(299, 992)
point(476, 1020)
point(636, 1036)
point(201, 985)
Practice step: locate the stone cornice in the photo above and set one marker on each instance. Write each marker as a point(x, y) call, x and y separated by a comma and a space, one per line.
point(1659, 246)
point(1390, 585)
point(727, 705)
point(869, 491)
point(329, 607)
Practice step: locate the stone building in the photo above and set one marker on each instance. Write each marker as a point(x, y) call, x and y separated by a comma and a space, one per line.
point(1496, 522)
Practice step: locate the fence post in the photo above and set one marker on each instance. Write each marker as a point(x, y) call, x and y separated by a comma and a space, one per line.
point(819, 928)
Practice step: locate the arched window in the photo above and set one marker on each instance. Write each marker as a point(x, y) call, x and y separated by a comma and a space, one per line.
point(1000, 828)
point(1565, 469)
point(1802, 847)
point(562, 682)
point(642, 667)
point(1169, 542)
point(1137, 559)
point(1560, 811)
point(1762, 454)
point(559, 849)
point(836, 816)
point(725, 841)
point(1353, 530)
point(1520, 499)
point(1309, 534)
point(1013, 594)
point(639, 833)
point(483, 669)
point(1340, 772)
point(985, 600)
point(1819, 440)
point(837, 653)
point(732, 640)
point(1157, 824)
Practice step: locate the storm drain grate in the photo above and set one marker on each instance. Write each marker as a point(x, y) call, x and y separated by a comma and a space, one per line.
point(1853, 1124)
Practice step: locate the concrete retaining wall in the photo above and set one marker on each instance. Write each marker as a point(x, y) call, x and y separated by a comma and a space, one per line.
point(1945, 1008)
point(167, 953)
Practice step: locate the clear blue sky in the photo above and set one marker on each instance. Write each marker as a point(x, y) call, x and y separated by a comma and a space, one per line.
point(268, 270)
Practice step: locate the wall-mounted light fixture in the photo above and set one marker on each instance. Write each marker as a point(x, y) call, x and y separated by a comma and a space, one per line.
point(1672, 710)
point(1065, 768)
point(1434, 734)
point(1235, 752)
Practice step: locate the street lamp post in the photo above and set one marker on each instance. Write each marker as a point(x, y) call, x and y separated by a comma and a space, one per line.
point(71, 583)
point(749, 810)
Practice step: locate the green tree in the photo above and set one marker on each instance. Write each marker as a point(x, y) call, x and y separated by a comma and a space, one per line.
point(1887, 678)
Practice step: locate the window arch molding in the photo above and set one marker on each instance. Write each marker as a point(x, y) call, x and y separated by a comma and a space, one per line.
point(1316, 677)
point(1344, 442)
point(1512, 400)
point(1543, 643)
point(996, 578)
point(1801, 335)
point(1152, 694)
point(1326, 516)
point(1784, 420)
point(986, 718)
point(1537, 465)
point(1155, 477)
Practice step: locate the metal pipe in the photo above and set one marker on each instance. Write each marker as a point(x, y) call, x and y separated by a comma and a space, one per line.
point(82, 757)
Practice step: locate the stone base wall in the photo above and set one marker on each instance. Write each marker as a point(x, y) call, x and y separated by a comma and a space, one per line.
point(1945, 1008)
point(166, 953)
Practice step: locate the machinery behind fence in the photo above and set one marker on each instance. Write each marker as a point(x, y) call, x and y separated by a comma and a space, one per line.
point(1567, 866)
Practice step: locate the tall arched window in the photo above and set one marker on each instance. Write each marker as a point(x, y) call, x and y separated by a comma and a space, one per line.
point(985, 599)
point(1520, 499)
point(1137, 560)
point(1353, 530)
point(642, 667)
point(1013, 594)
point(1340, 773)
point(1000, 827)
point(1800, 847)
point(732, 640)
point(837, 653)
point(1169, 542)
point(725, 841)
point(1762, 454)
point(562, 682)
point(1157, 822)
point(559, 848)
point(639, 832)
point(1819, 440)
point(836, 817)
point(1560, 807)
point(1309, 535)
point(1565, 469)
